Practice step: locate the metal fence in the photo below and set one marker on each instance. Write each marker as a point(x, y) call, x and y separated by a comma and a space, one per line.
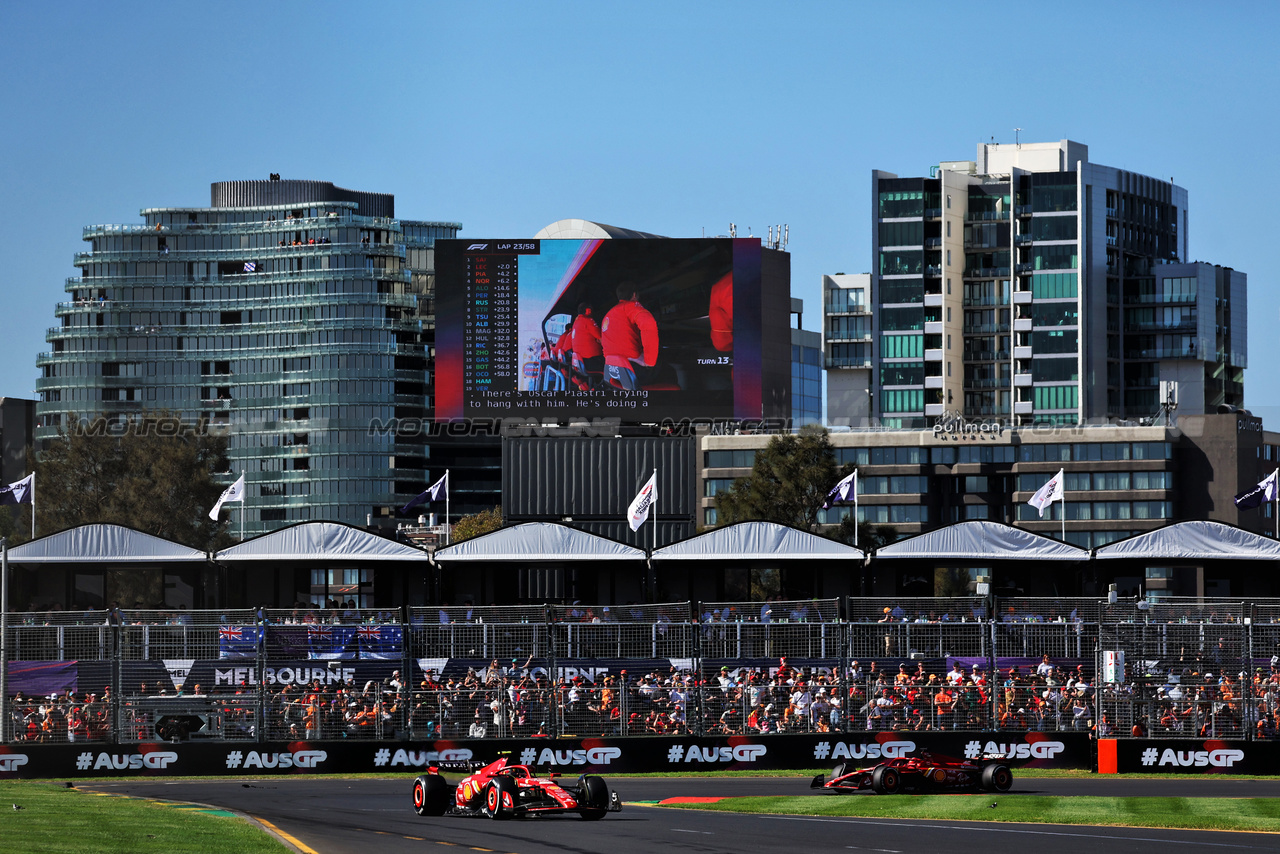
point(1170, 669)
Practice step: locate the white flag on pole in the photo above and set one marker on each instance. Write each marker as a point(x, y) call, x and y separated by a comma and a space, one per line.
point(638, 512)
point(19, 492)
point(1049, 493)
point(234, 492)
point(848, 486)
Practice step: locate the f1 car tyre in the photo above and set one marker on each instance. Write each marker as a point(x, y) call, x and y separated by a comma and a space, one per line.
point(595, 797)
point(494, 797)
point(430, 795)
point(838, 771)
point(997, 778)
point(886, 780)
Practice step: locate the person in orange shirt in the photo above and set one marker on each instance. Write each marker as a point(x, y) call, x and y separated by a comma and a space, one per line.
point(628, 337)
point(943, 704)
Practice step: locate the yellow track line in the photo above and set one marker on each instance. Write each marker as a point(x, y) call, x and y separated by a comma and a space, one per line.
point(305, 849)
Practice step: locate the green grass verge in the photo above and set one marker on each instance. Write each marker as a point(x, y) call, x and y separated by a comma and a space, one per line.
point(1258, 814)
point(56, 819)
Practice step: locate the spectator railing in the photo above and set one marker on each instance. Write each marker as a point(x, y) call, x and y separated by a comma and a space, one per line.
point(1203, 667)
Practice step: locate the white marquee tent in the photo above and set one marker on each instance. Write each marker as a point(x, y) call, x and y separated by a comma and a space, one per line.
point(979, 540)
point(533, 541)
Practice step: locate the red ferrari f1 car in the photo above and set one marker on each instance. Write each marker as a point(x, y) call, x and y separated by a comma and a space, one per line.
point(923, 773)
point(499, 790)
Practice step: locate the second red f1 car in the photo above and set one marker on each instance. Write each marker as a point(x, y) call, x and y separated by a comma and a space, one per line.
point(499, 790)
point(923, 773)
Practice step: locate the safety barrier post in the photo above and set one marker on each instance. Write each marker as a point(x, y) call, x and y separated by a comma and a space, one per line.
point(1107, 756)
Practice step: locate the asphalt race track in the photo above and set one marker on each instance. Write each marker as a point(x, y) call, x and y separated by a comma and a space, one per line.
point(332, 816)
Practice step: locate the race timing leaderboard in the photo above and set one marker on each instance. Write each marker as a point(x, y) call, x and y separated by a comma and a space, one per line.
point(492, 282)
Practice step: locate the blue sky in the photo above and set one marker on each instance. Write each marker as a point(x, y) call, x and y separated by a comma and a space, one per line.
point(673, 118)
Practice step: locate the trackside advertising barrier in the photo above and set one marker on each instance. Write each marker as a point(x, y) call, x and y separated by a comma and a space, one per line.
point(1188, 756)
point(693, 755)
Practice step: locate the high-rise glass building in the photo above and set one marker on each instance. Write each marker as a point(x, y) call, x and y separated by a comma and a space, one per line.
point(806, 370)
point(295, 315)
point(1033, 286)
point(846, 319)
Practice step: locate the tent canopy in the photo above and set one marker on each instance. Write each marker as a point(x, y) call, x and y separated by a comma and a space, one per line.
point(103, 543)
point(321, 541)
point(1193, 541)
point(538, 540)
point(757, 541)
point(980, 540)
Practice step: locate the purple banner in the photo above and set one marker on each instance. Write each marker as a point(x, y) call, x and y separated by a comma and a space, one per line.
point(42, 678)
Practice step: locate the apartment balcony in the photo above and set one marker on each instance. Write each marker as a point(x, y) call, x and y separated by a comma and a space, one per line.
point(1022, 210)
point(1021, 380)
point(849, 362)
point(986, 216)
point(253, 254)
point(1022, 352)
point(1022, 297)
point(934, 409)
point(1022, 324)
point(843, 337)
point(297, 223)
point(933, 213)
point(933, 355)
point(1162, 353)
point(987, 383)
point(1188, 325)
point(1022, 407)
point(933, 271)
point(986, 328)
point(932, 242)
point(986, 273)
point(1024, 268)
point(932, 300)
point(1162, 300)
point(1022, 239)
point(933, 327)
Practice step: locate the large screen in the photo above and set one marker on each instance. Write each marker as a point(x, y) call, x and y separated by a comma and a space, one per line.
point(637, 329)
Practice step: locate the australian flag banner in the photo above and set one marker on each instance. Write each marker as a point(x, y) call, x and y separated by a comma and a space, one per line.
point(330, 642)
point(238, 641)
point(381, 643)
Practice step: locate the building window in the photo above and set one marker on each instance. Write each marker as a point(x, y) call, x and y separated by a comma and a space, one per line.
point(902, 400)
point(1056, 397)
point(901, 346)
point(348, 587)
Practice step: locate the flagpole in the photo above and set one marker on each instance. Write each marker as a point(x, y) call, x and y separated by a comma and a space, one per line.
point(246, 489)
point(1275, 503)
point(855, 507)
point(655, 509)
point(446, 505)
point(4, 634)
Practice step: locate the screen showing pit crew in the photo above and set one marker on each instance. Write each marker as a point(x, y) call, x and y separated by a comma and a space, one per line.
point(637, 329)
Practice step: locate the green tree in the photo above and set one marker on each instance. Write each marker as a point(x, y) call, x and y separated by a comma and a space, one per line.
point(476, 524)
point(789, 481)
point(869, 536)
point(152, 473)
